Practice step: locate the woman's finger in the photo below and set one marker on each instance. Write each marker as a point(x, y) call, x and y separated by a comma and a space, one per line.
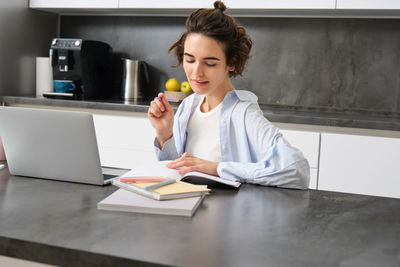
point(154, 109)
point(165, 102)
point(185, 160)
point(160, 104)
point(178, 163)
point(187, 169)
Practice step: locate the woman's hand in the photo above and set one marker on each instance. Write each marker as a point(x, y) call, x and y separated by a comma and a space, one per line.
point(161, 116)
point(189, 163)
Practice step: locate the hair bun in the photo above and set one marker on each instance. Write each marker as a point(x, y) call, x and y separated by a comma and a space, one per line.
point(219, 5)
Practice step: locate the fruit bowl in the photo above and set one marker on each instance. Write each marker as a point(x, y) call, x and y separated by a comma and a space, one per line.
point(175, 96)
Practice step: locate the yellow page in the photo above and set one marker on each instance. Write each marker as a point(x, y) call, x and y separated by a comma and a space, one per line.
point(175, 188)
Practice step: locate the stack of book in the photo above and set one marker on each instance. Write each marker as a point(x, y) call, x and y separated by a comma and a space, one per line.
point(156, 189)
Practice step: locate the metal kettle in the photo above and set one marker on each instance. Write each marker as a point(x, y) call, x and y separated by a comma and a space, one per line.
point(135, 79)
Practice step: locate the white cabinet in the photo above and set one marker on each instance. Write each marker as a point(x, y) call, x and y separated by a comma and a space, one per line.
point(368, 4)
point(360, 164)
point(249, 8)
point(239, 8)
point(124, 141)
point(308, 143)
point(159, 4)
point(281, 4)
point(73, 3)
point(239, 4)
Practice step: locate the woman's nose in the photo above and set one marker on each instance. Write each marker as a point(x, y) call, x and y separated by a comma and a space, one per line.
point(197, 70)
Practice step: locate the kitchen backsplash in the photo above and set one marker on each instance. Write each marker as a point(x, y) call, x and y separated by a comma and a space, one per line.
point(345, 64)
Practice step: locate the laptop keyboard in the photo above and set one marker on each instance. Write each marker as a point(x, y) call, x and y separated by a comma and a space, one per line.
point(109, 176)
point(110, 172)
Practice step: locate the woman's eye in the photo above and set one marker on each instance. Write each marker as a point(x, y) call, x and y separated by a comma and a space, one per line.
point(211, 64)
point(189, 61)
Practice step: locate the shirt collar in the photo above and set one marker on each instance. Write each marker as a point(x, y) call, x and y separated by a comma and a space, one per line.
point(242, 95)
point(245, 95)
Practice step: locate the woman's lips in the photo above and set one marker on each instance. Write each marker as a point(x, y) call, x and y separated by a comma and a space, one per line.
point(200, 83)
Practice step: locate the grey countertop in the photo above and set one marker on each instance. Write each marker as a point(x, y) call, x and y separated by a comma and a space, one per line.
point(58, 223)
point(274, 113)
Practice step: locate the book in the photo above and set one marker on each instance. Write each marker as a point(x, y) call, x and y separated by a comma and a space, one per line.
point(159, 169)
point(177, 189)
point(125, 201)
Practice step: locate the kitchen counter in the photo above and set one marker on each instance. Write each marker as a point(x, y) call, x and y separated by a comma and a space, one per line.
point(58, 223)
point(274, 113)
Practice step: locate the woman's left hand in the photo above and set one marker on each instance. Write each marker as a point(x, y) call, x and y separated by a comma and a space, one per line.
point(188, 163)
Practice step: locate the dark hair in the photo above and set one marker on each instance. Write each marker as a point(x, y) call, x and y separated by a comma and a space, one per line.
point(214, 23)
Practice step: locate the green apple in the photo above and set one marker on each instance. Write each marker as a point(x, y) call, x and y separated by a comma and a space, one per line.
point(185, 87)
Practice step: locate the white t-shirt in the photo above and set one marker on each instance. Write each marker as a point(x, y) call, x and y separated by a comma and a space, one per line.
point(203, 140)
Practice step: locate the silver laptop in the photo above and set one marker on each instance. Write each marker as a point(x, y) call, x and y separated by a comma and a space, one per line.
point(53, 144)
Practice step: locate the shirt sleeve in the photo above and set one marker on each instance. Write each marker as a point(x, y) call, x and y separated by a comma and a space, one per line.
point(276, 163)
point(168, 151)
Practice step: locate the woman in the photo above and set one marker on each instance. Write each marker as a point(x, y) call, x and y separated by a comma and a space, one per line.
point(219, 130)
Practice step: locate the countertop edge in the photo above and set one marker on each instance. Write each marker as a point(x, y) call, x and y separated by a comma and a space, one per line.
point(48, 254)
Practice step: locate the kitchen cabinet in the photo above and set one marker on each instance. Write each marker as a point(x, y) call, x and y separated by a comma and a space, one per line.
point(73, 4)
point(368, 4)
point(232, 4)
point(239, 8)
point(160, 4)
point(124, 141)
point(308, 142)
point(281, 4)
point(359, 164)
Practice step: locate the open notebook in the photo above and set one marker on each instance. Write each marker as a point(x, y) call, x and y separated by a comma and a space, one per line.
point(159, 169)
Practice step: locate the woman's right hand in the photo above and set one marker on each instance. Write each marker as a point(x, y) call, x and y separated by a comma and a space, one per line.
point(161, 116)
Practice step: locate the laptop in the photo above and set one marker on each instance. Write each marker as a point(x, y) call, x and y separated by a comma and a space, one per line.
point(53, 144)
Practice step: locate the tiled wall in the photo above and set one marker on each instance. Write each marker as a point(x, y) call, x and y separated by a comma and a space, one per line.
point(350, 64)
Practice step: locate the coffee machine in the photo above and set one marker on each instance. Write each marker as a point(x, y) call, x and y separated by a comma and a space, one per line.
point(87, 64)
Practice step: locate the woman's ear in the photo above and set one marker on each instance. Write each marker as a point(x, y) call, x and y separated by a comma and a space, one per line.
point(231, 68)
point(231, 64)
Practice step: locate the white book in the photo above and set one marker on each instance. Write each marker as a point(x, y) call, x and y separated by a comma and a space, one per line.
point(123, 200)
point(159, 169)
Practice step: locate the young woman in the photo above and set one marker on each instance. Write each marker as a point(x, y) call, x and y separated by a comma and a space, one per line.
point(219, 130)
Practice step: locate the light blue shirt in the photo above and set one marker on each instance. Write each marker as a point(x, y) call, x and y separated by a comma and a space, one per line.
point(252, 149)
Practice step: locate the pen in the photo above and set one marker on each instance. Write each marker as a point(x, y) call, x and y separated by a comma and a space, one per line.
point(149, 179)
point(153, 186)
point(168, 99)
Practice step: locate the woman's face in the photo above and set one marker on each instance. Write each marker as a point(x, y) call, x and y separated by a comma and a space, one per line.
point(205, 66)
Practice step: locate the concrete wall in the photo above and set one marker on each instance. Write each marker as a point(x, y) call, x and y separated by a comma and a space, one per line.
point(24, 35)
point(351, 64)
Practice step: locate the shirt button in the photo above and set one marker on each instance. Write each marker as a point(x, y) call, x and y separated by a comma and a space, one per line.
point(223, 147)
point(223, 121)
